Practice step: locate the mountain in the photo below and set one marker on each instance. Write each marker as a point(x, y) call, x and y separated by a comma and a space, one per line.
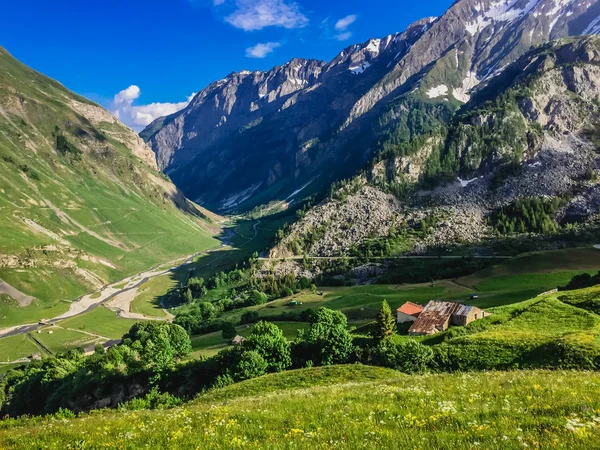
point(516, 168)
point(256, 137)
point(82, 200)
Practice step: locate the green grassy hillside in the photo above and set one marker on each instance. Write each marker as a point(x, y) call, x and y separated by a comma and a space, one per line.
point(81, 201)
point(349, 407)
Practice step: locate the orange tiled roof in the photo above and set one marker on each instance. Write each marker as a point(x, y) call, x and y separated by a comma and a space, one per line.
point(410, 308)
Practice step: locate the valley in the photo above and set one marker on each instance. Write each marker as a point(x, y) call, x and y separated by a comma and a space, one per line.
point(397, 247)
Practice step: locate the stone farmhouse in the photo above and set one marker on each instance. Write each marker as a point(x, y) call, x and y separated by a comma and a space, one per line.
point(437, 316)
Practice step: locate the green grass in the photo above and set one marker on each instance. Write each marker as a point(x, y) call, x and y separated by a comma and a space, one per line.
point(100, 321)
point(48, 286)
point(61, 340)
point(349, 407)
point(527, 281)
point(588, 299)
point(11, 314)
point(16, 347)
point(148, 300)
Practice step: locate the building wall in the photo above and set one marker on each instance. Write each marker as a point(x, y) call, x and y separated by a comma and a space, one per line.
point(474, 314)
point(403, 318)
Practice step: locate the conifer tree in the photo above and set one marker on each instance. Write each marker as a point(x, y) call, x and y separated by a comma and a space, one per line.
point(386, 323)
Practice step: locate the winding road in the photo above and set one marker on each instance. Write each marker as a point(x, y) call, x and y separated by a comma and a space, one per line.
point(88, 302)
point(127, 287)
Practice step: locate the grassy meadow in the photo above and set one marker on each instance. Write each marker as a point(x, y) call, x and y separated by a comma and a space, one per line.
point(101, 321)
point(348, 407)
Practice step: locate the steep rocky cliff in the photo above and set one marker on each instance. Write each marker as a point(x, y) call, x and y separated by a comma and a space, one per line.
point(529, 138)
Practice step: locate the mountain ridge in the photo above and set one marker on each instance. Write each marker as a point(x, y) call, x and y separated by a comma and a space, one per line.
point(434, 59)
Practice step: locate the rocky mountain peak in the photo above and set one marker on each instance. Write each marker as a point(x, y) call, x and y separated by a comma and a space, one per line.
point(290, 122)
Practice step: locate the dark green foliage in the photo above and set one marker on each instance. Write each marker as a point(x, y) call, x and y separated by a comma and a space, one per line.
point(228, 331)
point(581, 281)
point(422, 271)
point(250, 364)
point(250, 317)
point(256, 298)
point(99, 349)
point(65, 148)
point(29, 172)
point(409, 357)
point(269, 342)
point(326, 342)
point(188, 297)
point(385, 327)
point(196, 287)
point(407, 123)
point(158, 343)
point(527, 215)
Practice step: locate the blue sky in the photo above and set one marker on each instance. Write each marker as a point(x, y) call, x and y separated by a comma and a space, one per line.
point(152, 55)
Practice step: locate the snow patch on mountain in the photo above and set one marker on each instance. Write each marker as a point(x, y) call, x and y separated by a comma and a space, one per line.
point(558, 10)
point(357, 70)
point(593, 27)
point(499, 11)
point(465, 183)
point(462, 93)
point(438, 91)
point(373, 46)
point(239, 197)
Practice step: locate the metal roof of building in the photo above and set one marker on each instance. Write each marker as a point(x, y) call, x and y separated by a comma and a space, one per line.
point(435, 315)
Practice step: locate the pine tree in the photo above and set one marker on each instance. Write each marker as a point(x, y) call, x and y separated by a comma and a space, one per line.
point(386, 323)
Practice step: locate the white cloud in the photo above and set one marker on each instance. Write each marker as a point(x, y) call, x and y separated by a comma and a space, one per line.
point(344, 36)
point(139, 116)
point(345, 22)
point(341, 26)
point(262, 50)
point(253, 15)
point(127, 96)
point(218, 2)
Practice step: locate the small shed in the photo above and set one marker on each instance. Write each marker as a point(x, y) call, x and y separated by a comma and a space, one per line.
point(409, 312)
point(238, 340)
point(36, 357)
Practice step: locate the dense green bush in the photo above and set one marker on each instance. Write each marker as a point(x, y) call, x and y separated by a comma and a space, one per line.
point(326, 342)
point(581, 281)
point(152, 400)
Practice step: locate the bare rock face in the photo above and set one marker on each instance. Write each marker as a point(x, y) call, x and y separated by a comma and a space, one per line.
point(313, 119)
point(128, 137)
point(554, 109)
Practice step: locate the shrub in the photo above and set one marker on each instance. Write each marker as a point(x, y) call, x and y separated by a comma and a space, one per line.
point(228, 331)
point(326, 342)
point(64, 413)
point(250, 365)
point(270, 343)
point(152, 400)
